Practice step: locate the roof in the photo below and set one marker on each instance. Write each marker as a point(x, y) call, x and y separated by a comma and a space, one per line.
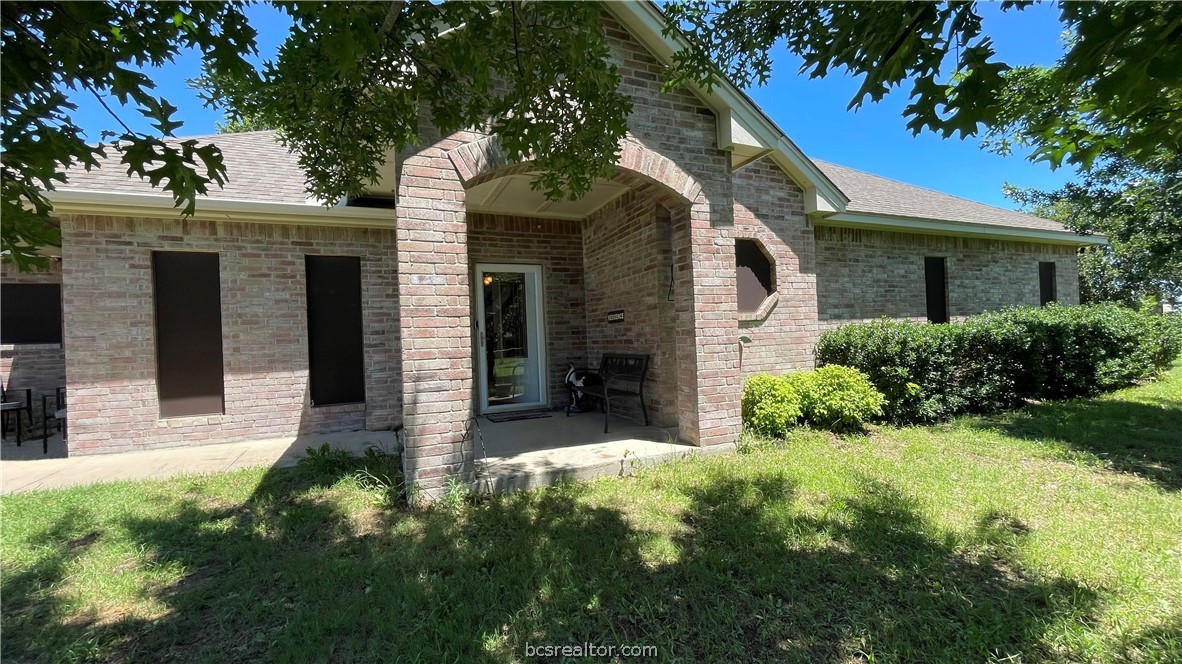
point(872, 194)
point(261, 170)
point(258, 168)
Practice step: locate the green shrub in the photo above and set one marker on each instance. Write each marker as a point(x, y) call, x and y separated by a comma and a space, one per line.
point(989, 362)
point(1081, 351)
point(1165, 342)
point(771, 405)
point(911, 364)
point(994, 361)
point(837, 398)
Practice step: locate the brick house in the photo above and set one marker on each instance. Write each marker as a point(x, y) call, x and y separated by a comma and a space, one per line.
point(454, 290)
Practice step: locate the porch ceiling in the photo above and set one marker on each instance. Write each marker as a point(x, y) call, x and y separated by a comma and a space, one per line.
point(512, 195)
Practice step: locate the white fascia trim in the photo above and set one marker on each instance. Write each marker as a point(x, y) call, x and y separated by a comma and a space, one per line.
point(956, 228)
point(74, 201)
point(727, 101)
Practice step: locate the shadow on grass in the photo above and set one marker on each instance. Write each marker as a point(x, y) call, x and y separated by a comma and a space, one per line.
point(1135, 437)
point(290, 575)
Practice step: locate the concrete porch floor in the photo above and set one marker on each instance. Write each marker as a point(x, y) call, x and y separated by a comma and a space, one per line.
point(527, 454)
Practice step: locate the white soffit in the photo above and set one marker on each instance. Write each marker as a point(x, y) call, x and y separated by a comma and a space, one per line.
point(513, 195)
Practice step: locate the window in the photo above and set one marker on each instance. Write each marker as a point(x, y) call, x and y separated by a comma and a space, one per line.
point(188, 298)
point(1046, 283)
point(336, 354)
point(31, 314)
point(755, 276)
point(936, 280)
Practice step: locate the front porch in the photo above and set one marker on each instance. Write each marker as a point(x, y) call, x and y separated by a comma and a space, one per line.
point(526, 454)
point(501, 291)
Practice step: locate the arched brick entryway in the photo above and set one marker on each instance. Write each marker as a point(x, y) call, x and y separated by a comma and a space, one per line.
point(436, 313)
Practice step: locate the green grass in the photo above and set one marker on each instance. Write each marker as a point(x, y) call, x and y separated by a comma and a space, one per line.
point(1049, 534)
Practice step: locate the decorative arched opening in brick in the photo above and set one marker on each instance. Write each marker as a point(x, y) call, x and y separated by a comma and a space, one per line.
point(483, 161)
point(755, 279)
point(608, 279)
point(618, 269)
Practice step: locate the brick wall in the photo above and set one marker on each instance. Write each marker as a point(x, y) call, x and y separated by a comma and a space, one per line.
point(37, 367)
point(769, 208)
point(109, 331)
point(678, 127)
point(863, 275)
point(628, 258)
point(556, 245)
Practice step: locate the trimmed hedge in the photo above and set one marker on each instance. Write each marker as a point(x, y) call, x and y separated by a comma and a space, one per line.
point(994, 361)
point(832, 397)
point(910, 364)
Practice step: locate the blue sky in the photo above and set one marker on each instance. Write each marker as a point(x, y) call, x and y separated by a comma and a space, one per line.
point(875, 138)
point(812, 112)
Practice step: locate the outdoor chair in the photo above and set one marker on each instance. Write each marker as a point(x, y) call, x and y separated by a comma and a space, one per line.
point(11, 407)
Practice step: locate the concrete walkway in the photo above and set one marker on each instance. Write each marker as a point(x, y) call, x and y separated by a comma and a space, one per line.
point(26, 468)
point(509, 456)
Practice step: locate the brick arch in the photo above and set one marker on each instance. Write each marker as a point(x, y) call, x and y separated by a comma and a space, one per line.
point(480, 161)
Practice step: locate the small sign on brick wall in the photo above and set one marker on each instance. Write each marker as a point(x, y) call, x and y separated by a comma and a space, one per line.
point(616, 316)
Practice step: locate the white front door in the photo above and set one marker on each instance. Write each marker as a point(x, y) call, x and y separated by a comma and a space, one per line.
point(510, 343)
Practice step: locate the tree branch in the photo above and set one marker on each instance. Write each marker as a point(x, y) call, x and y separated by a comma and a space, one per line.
point(112, 113)
point(391, 18)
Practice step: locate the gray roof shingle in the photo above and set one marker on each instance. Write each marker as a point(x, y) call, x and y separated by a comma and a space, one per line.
point(258, 168)
point(871, 194)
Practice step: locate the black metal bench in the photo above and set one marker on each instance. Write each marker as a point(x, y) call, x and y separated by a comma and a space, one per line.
point(622, 375)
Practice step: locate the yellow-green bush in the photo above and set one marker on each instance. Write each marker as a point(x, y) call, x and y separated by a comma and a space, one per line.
point(771, 405)
point(833, 397)
point(837, 398)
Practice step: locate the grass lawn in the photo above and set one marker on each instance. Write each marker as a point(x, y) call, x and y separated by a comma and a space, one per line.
point(1049, 534)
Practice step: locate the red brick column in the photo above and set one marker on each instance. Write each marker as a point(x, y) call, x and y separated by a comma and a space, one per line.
point(435, 316)
point(708, 381)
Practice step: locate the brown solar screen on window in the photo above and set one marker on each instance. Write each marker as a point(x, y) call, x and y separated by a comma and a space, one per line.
point(936, 278)
point(753, 275)
point(188, 333)
point(31, 314)
point(1046, 283)
point(336, 355)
